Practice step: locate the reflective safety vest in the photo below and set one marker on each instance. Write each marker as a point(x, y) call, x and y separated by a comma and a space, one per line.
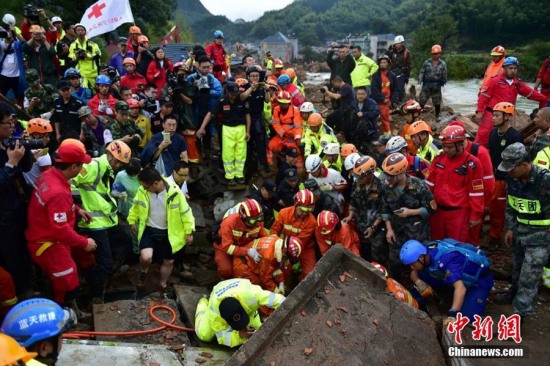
point(400, 292)
point(93, 184)
point(473, 255)
point(428, 152)
point(525, 201)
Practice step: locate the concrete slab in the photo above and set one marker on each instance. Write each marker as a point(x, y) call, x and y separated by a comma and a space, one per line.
point(188, 297)
point(85, 353)
point(341, 315)
point(205, 356)
point(198, 214)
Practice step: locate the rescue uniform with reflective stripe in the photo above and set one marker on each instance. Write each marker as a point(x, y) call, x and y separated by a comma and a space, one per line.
point(296, 96)
point(400, 292)
point(209, 324)
point(288, 127)
point(288, 224)
point(346, 236)
point(234, 236)
point(429, 151)
point(87, 67)
point(542, 159)
point(315, 142)
point(361, 75)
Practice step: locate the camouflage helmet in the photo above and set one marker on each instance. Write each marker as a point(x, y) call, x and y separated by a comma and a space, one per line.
point(84, 111)
point(32, 77)
point(512, 156)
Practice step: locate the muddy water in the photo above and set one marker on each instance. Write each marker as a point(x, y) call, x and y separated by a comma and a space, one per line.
point(461, 96)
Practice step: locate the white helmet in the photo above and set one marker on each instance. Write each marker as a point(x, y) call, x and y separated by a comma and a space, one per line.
point(332, 149)
point(399, 39)
point(395, 144)
point(8, 19)
point(306, 107)
point(56, 19)
point(350, 160)
point(313, 162)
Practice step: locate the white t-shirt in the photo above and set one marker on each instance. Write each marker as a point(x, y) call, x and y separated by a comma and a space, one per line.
point(157, 211)
point(183, 187)
point(10, 68)
point(333, 178)
point(36, 170)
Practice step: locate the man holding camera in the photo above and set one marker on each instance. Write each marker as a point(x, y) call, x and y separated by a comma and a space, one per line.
point(87, 56)
point(12, 66)
point(40, 55)
point(340, 119)
point(342, 65)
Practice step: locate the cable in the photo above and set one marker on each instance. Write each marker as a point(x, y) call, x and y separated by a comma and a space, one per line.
point(165, 325)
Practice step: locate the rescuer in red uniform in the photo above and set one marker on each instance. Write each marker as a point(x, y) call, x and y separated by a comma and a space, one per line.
point(216, 53)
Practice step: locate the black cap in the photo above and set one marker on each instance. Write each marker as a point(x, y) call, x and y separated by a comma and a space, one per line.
point(122, 40)
point(312, 185)
point(63, 84)
point(167, 102)
point(270, 187)
point(233, 88)
point(291, 151)
point(233, 313)
point(291, 175)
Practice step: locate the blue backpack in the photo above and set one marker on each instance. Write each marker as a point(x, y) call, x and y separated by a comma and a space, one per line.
point(473, 256)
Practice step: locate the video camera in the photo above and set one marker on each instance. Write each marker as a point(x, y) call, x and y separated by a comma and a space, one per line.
point(31, 12)
point(81, 54)
point(27, 144)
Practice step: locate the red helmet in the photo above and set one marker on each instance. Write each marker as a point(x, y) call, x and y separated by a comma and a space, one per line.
point(283, 97)
point(327, 221)
point(412, 106)
point(251, 212)
point(133, 103)
point(278, 63)
point(304, 198)
point(498, 51)
point(380, 267)
point(293, 246)
point(452, 134)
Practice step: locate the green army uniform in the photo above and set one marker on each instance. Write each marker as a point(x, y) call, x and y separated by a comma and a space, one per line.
point(528, 216)
point(126, 127)
point(47, 94)
point(432, 79)
point(367, 205)
point(415, 195)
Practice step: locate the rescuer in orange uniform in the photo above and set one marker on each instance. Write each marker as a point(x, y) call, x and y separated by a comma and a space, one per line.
point(237, 230)
point(495, 67)
point(299, 221)
point(456, 179)
point(330, 231)
point(275, 265)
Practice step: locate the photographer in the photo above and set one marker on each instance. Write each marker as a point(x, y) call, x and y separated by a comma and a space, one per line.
point(342, 65)
point(87, 56)
point(40, 55)
point(144, 56)
point(33, 16)
point(340, 119)
point(12, 66)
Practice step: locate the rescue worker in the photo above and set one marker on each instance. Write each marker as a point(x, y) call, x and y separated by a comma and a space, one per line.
point(365, 67)
point(275, 71)
point(413, 112)
point(87, 56)
point(456, 179)
point(498, 53)
point(216, 52)
point(296, 97)
point(93, 185)
point(299, 222)
point(317, 135)
point(401, 64)
point(51, 239)
point(39, 129)
point(236, 230)
point(162, 221)
point(306, 110)
point(132, 44)
point(421, 135)
point(287, 124)
point(65, 115)
point(446, 263)
point(132, 78)
point(38, 325)
point(323, 202)
point(291, 156)
point(329, 180)
point(331, 231)
point(103, 103)
point(409, 203)
point(503, 88)
point(331, 157)
point(527, 224)
point(294, 78)
point(366, 206)
point(141, 121)
point(12, 354)
point(275, 266)
point(39, 98)
point(542, 159)
point(385, 91)
point(234, 116)
point(230, 315)
point(397, 289)
point(267, 197)
point(8, 297)
point(123, 128)
point(78, 91)
point(543, 78)
point(417, 167)
point(432, 77)
point(143, 56)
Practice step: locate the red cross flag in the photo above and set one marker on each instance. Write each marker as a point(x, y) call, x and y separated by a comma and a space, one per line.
point(105, 16)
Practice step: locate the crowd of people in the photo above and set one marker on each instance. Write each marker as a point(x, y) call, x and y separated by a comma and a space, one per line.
point(99, 173)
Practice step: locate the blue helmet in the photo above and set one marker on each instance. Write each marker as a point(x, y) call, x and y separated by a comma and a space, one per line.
point(218, 34)
point(71, 71)
point(283, 80)
point(510, 61)
point(34, 320)
point(411, 250)
point(102, 80)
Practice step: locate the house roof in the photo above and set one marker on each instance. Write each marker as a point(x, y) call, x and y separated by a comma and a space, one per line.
point(276, 38)
point(176, 51)
point(386, 36)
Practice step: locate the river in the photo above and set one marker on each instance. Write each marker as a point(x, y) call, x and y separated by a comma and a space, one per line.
point(460, 95)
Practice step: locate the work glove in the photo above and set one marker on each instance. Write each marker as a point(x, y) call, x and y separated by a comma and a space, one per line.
point(280, 289)
point(253, 253)
point(123, 196)
point(424, 289)
point(46, 115)
point(102, 107)
point(109, 111)
point(326, 187)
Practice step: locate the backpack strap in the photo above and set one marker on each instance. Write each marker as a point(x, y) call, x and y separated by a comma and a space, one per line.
point(475, 149)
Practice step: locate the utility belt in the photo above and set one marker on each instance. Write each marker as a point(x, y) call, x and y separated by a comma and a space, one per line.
point(534, 222)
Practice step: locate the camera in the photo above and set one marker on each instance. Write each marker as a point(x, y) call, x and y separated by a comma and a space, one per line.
point(27, 144)
point(31, 12)
point(81, 54)
point(3, 31)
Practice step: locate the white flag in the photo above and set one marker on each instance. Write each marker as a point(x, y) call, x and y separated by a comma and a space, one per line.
point(105, 16)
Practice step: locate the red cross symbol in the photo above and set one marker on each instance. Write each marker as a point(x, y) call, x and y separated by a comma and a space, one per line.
point(96, 10)
point(59, 216)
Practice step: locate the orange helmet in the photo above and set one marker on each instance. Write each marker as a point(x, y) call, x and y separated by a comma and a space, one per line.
point(291, 73)
point(498, 51)
point(315, 119)
point(293, 246)
point(129, 60)
point(436, 49)
point(395, 164)
point(364, 165)
point(452, 134)
point(39, 125)
point(12, 352)
point(283, 97)
point(133, 103)
point(505, 107)
point(242, 84)
point(135, 30)
point(347, 149)
point(380, 267)
point(327, 221)
point(120, 151)
point(278, 63)
point(36, 29)
point(419, 126)
point(73, 142)
point(142, 39)
point(304, 198)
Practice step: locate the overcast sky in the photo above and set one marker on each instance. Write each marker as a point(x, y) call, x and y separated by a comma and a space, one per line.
point(245, 9)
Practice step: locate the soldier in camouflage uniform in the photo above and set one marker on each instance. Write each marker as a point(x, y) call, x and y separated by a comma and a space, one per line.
point(409, 203)
point(38, 98)
point(433, 75)
point(367, 202)
point(323, 201)
point(124, 128)
point(527, 224)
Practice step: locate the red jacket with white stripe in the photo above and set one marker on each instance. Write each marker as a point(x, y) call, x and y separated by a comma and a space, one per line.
point(487, 168)
point(498, 90)
point(457, 182)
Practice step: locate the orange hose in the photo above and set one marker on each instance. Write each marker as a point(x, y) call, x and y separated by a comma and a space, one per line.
point(170, 324)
